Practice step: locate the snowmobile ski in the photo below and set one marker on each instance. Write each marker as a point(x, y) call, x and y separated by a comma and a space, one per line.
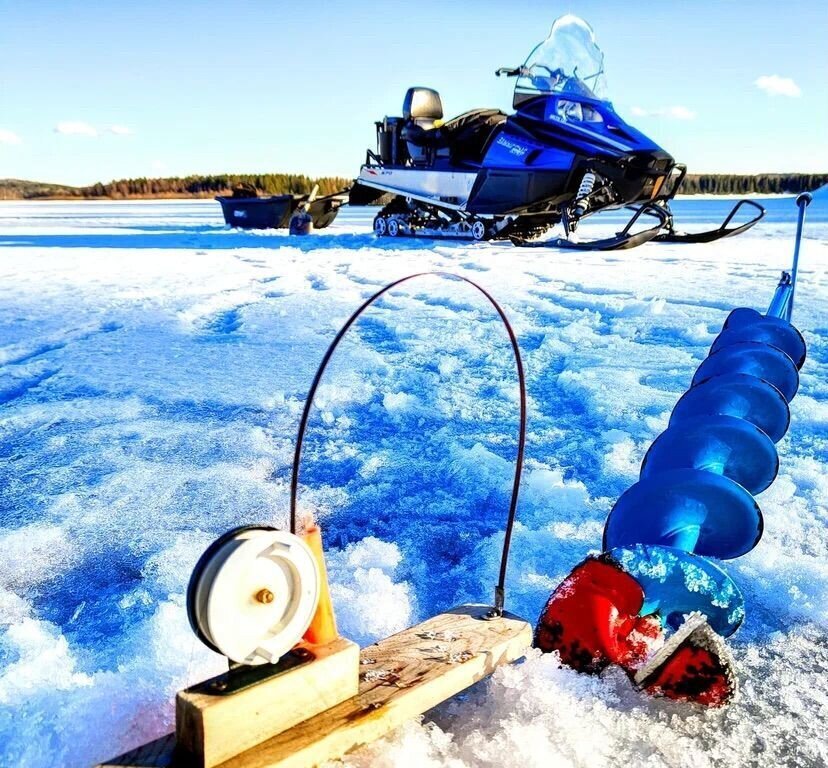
point(672, 236)
point(620, 241)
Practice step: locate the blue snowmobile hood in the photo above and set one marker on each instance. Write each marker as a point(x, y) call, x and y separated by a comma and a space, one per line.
point(605, 132)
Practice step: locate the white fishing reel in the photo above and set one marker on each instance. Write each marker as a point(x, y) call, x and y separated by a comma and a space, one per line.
point(253, 594)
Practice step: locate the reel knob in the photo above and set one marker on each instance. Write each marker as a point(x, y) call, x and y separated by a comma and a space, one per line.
point(253, 594)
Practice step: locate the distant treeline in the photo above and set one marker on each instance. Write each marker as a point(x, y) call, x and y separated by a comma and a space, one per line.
point(188, 186)
point(17, 189)
point(284, 183)
point(762, 184)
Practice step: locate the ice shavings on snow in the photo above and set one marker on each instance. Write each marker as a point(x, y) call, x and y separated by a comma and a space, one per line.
point(153, 366)
point(370, 604)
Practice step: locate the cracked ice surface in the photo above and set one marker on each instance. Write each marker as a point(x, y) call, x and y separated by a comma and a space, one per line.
point(152, 370)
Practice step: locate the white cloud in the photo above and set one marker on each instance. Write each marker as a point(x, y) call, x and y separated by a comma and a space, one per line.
point(675, 113)
point(79, 128)
point(680, 113)
point(777, 86)
point(75, 128)
point(9, 137)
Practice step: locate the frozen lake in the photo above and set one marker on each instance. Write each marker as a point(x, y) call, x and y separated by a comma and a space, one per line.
point(153, 366)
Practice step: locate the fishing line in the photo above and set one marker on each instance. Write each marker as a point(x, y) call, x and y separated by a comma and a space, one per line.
point(500, 589)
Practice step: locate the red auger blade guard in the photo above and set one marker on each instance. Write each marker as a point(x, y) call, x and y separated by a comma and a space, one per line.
point(694, 665)
point(592, 619)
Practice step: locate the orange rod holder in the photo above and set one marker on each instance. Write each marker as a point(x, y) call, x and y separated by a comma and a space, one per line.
point(322, 628)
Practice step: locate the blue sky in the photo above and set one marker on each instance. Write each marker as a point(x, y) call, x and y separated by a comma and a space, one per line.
point(99, 90)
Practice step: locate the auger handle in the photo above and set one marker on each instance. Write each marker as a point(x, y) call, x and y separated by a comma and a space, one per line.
point(802, 201)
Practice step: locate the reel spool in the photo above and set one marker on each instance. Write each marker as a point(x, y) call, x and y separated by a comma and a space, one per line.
point(253, 594)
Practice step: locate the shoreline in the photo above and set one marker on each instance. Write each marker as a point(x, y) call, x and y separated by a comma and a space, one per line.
point(194, 198)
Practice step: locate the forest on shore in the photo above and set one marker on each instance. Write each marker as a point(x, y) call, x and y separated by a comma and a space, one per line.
point(286, 183)
point(172, 187)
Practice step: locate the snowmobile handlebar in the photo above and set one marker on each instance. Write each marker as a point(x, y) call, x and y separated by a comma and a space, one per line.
point(524, 71)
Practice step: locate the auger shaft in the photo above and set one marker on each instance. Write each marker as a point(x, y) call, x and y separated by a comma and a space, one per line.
point(781, 305)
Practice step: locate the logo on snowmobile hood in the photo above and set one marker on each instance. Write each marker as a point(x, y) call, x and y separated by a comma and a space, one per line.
point(518, 150)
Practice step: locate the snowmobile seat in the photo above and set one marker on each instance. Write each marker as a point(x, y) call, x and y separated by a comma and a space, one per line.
point(463, 139)
point(422, 108)
point(468, 135)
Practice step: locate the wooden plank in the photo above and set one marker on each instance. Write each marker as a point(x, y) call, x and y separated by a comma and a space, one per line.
point(215, 728)
point(401, 677)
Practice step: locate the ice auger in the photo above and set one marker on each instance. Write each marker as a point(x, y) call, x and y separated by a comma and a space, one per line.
point(657, 580)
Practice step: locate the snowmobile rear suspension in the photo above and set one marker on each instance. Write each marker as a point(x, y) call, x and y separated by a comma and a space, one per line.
point(416, 219)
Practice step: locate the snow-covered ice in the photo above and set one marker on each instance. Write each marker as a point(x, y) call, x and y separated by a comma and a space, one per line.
point(153, 366)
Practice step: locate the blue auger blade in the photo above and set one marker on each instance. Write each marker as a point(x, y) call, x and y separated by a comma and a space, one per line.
point(676, 583)
point(765, 330)
point(689, 509)
point(760, 360)
point(724, 445)
point(740, 316)
point(740, 395)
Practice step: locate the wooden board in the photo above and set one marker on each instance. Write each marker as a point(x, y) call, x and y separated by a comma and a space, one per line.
point(217, 727)
point(400, 677)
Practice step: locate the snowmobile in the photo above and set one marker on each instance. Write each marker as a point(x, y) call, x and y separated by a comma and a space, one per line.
point(563, 155)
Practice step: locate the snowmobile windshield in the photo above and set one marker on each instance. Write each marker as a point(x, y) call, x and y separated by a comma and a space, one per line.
point(569, 61)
